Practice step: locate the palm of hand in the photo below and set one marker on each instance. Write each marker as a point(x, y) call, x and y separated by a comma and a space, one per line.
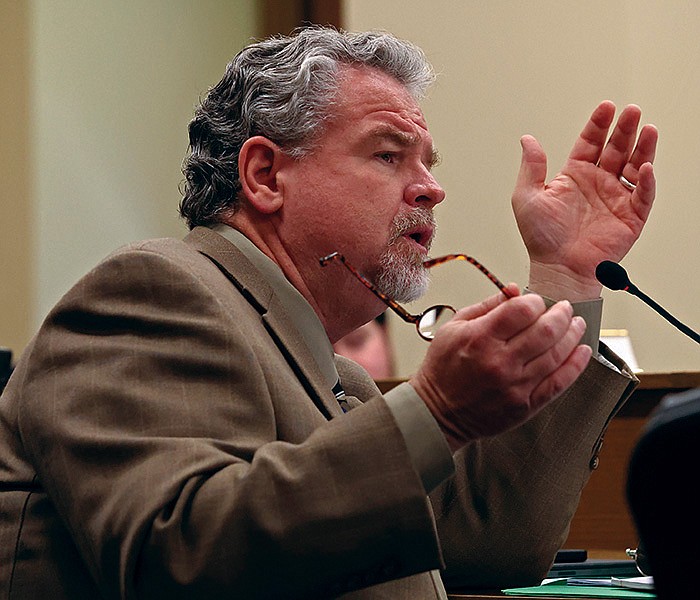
point(583, 216)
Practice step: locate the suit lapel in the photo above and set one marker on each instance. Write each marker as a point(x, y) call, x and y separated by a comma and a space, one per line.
point(249, 282)
point(357, 382)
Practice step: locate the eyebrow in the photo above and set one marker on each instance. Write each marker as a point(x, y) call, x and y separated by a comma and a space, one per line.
point(405, 140)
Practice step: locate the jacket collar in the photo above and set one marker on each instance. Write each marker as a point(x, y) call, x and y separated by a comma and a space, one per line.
point(256, 288)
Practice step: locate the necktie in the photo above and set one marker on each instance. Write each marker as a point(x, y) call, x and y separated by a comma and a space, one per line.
point(339, 394)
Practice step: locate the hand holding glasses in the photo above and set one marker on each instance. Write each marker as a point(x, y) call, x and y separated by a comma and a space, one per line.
point(430, 320)
point(513, 359)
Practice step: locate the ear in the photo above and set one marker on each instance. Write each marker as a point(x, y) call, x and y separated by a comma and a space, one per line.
point(259, 162)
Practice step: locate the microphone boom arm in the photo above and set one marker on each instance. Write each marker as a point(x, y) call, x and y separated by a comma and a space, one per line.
point(635, 291)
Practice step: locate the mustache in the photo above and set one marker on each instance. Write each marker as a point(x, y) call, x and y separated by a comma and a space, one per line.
point(417, 218)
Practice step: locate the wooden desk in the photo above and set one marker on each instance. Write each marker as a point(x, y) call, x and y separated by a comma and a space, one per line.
point(602, 520)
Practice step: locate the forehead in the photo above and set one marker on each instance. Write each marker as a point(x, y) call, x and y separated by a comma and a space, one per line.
point(369, 98)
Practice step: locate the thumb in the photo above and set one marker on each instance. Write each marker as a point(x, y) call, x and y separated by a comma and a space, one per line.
point(533, 164)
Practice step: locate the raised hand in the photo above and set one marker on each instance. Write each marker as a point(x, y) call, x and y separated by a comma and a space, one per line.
point(588, 212)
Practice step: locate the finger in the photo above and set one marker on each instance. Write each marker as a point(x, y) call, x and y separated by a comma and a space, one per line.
point(555, 384)
point(644, 152)
point(477, 310)
point(590, 142)
point(548, 331)
point(619, 147)
point(533, 165)
point(645, 192)
point(510, 318)
point(551, 358)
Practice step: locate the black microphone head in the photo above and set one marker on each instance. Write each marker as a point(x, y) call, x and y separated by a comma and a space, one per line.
point(612, 275)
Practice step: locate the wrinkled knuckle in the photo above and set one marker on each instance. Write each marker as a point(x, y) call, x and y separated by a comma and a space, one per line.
point(536, 302)
point(548, 390)
point(557, 355)
point(531, 307)
point(549, 332)
point(498, 369)
point(556, 388)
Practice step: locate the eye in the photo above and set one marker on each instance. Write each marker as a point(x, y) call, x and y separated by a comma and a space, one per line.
point(387, 157)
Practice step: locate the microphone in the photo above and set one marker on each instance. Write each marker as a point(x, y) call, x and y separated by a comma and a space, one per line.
point(614, 277)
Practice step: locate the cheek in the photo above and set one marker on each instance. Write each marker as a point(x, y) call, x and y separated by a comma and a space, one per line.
point(380, 217)
point(351, 213)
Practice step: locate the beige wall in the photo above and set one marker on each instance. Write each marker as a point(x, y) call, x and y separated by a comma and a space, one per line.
point(509, 68)
point(96, 97)
point(96, 100)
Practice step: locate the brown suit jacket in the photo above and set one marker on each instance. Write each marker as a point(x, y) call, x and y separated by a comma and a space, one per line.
point(167, 434)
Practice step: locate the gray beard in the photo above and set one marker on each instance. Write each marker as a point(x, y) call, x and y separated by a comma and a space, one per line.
point(402, 275)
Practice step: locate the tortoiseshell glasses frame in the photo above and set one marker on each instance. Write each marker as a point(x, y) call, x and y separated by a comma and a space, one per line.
point(430, 320)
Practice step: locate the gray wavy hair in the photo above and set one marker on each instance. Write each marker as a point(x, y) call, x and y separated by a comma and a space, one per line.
point(283, 89)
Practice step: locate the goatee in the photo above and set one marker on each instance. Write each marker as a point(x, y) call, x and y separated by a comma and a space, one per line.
point(402, 275)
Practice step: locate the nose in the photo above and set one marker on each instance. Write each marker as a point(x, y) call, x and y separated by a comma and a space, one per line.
point(425, 190)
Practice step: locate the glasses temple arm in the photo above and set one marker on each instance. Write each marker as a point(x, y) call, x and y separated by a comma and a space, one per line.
point(433, 262)
point(397, 308)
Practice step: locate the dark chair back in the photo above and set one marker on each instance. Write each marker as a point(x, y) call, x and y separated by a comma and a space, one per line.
point(662, 491)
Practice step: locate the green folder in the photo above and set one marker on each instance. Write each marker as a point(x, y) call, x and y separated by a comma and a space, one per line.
point(559, 589)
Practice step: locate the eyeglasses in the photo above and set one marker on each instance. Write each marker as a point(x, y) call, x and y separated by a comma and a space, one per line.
point(430, 320)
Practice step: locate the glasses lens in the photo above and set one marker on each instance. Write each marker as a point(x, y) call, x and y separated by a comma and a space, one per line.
point(434, 318)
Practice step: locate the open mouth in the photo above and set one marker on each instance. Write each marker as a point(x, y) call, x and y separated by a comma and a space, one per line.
point(422, 236)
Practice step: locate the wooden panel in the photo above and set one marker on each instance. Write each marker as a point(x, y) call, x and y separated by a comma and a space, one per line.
point(323, 12)
point(602, 519)
point(283, 16)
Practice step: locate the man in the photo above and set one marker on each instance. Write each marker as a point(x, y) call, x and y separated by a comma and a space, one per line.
point(180, 427)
